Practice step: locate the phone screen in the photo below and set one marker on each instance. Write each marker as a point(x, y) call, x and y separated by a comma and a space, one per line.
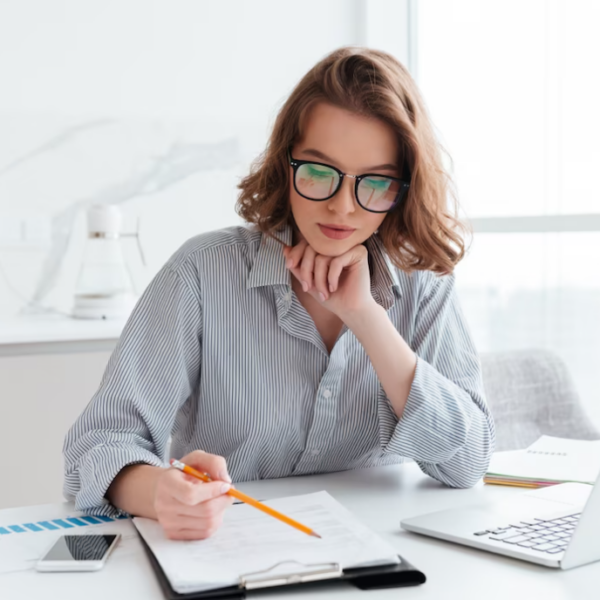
point(80, 547)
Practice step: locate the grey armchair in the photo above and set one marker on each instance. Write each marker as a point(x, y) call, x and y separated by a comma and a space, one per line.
point(531, 393)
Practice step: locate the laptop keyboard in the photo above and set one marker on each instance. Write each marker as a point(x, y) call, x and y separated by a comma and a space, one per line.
point(549, 536)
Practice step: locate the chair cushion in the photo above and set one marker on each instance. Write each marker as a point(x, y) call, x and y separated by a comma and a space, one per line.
point(531, 393)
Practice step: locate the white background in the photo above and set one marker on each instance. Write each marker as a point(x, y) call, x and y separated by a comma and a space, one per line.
point(513, 91)
point(151, 72)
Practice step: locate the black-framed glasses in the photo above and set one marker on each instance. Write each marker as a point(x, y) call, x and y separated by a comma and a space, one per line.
point(373, 192)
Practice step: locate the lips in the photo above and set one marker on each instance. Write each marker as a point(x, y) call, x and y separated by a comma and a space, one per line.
point(338, 227)
point(336, 232)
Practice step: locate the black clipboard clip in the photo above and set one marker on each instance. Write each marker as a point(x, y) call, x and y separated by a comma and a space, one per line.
point(310, 572)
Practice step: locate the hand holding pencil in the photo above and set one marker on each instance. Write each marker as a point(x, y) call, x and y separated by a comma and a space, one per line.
point(190, 505)
point(187, 508)
point(246, 499)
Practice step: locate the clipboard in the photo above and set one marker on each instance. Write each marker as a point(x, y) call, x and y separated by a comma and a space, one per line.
point(364, 578)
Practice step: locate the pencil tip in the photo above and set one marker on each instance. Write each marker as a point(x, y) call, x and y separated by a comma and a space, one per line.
point(316, 535)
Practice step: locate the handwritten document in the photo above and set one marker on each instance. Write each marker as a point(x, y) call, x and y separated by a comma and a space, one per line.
point(251, 541)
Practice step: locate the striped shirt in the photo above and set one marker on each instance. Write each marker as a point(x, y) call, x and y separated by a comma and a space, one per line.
point(220, 355)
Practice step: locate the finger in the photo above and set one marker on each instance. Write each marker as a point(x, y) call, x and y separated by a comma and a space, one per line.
point(296, 273)
point(174, 515)
point(320, 275)
point(203, 524)
point(295, 254)
point(194, 492)
point(333, 274)
point(190, 534)
point(307, 267)
point(214, 465)
point(208, 509)
point(345, 261)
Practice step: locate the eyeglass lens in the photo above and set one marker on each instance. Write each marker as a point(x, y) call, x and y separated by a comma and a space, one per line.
point(319, 182)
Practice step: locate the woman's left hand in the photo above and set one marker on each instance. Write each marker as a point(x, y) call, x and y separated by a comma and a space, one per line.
point(341, 284)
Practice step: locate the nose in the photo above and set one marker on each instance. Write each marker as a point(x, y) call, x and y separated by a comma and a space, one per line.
point(343, 202)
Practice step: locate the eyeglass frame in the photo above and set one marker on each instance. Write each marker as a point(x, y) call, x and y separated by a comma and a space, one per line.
point(296, 164)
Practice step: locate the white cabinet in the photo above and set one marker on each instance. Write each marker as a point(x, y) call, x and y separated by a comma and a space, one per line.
point(49, 370)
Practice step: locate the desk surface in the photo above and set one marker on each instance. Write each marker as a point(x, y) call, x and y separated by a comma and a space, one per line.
point(380, 498)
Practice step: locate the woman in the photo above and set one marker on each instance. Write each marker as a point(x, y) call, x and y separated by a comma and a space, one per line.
point(326, 336)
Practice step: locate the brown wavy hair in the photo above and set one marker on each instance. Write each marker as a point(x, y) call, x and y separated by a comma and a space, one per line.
point(421, 233)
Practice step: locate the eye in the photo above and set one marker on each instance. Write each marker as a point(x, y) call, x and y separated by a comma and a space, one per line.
point(318, 171)
point(377, 183)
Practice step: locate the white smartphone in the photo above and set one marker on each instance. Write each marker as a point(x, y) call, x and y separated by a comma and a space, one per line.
point(86, 552)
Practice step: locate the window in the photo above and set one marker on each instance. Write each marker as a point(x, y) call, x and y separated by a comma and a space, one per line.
point(512, 91)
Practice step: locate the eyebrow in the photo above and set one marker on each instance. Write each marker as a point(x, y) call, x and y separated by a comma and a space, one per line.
point(323, 156)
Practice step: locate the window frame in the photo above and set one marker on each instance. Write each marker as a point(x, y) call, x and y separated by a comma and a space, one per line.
point(392, 25)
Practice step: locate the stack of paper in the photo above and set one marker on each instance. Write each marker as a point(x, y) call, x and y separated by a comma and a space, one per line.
point(250, 541)
point(548, 461)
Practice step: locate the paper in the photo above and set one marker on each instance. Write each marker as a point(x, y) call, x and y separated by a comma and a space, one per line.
point(549, 460)
point(249, 541)
point(20, 551)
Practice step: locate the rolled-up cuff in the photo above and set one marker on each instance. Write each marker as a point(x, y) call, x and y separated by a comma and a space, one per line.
point(88, 483)
point(435, 422)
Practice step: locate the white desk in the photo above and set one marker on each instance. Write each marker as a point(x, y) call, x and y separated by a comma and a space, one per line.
point(380, 498)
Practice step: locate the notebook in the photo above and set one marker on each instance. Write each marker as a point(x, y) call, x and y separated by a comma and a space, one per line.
point(548, 461)
point(250, 543)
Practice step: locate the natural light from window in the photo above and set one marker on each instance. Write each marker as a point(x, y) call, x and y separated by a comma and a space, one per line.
point(513, 90)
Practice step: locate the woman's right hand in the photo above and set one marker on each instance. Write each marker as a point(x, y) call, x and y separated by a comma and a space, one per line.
point(187, 508)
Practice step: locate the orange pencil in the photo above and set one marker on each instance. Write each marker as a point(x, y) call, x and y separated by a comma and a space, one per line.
point(245, 498)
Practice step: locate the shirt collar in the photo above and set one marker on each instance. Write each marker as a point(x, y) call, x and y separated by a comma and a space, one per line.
point(268, 267)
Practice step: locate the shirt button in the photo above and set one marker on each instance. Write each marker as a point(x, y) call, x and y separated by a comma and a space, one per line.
point(326, 393)
point(287, 296)
point(315, 452)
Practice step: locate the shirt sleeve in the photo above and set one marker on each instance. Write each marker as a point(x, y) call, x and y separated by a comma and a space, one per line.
point(151, 373)
point(446, 426)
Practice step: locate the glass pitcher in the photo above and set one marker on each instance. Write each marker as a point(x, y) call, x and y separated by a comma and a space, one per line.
point(104, 288)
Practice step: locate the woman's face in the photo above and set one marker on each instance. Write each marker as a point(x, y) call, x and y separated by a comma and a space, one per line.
point(356, 145)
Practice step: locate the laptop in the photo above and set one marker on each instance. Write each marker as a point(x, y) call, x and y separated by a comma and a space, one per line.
point(556, 526)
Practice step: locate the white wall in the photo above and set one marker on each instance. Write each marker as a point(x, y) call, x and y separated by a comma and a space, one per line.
point(95, 95)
